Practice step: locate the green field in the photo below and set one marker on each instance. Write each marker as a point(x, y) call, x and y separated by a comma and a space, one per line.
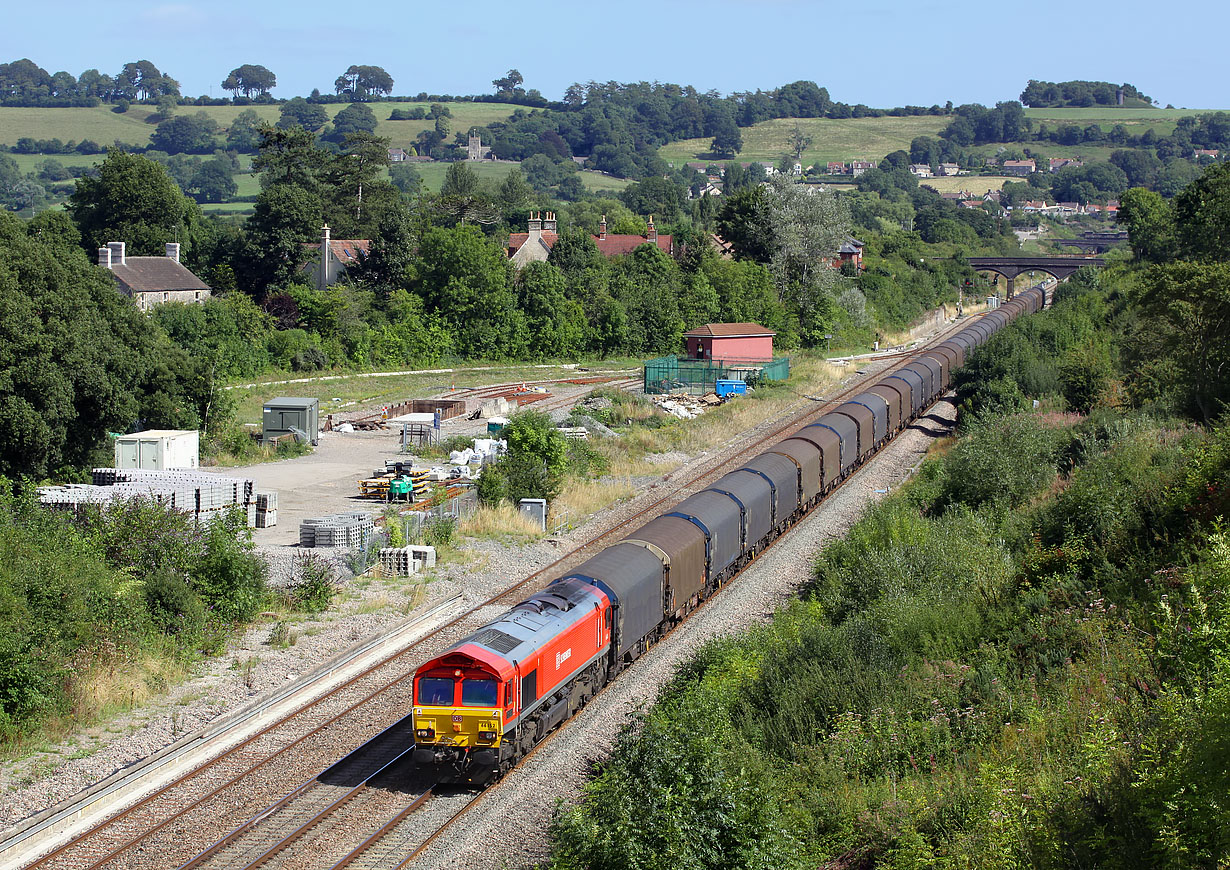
point(493, 173)
point(1098, 114)
point(104, 126)
point(833, 139)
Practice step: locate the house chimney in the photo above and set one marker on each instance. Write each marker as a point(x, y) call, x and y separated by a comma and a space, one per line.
point(651, 232)
point(602, 229)
point(549, 224)
point(322, 271)
point(535, 223)
point(173, 251)
point(104, 257)
point(117, 253)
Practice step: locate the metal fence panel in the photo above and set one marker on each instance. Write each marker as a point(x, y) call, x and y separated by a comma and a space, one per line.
point(669, 374)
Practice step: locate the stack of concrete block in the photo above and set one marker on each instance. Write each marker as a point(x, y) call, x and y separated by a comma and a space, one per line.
point(205, 496)
point(404, 561)
point(352, 529)
point(266, 510)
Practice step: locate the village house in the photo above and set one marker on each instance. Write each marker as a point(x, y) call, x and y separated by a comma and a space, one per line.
point(947, 169)
point(1058, 163)
point(152, 280)
point(837, 168)
point(851, 251)
point(334, 256)
point(535, 245)
point(920, 170)
point(858, 167)
point(1205, 152)
point(398, 155)
point(1019, 167)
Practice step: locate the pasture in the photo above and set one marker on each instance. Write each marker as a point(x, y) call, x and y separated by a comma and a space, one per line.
point(975, 184)
point(104, 126)
point(833, 139)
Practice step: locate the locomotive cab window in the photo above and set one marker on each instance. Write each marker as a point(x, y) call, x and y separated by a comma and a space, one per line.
point(478, 693)
point(435, 691)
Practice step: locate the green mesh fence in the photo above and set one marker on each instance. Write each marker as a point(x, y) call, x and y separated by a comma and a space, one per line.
point(669, 374)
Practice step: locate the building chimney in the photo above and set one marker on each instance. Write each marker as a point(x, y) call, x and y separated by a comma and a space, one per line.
point(104, 257)
point(602, 229)
point(549, 224)
point(535, 222)
point(173, 251)
point(117, 253)
point(322, 271)
point(651, 232)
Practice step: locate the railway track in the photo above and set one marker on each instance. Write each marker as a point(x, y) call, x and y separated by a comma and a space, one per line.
point(162, 828)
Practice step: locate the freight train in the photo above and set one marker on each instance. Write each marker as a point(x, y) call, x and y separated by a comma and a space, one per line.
point(488, 700)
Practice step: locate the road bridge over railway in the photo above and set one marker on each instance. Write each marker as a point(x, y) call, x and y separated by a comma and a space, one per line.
point(1010, 267)
point(1094, 242)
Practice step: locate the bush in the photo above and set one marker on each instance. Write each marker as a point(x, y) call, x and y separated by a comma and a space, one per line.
point(491, 486)
point(120, 107)
point(440, 531)
point(172, 604)
point(314, 583)
point(1004, 460)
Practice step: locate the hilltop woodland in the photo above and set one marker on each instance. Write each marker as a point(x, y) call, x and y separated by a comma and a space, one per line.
point(1022, 658)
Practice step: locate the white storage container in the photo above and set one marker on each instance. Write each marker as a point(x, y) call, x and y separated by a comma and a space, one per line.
point(159, 449)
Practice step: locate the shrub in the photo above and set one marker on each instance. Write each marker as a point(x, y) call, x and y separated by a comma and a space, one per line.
point(440, 531)
point(314, 583)
point(491, 486)
point(1003, 460)
point(172, 604)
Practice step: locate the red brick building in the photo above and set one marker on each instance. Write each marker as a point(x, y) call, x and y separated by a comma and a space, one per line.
point(749, 342)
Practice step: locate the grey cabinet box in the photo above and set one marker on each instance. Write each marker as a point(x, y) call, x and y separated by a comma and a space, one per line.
point(285, 415)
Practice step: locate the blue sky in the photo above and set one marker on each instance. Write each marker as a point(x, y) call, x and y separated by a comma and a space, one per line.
point(879, 52)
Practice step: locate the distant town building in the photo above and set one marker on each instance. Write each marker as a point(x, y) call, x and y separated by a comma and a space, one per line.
point(1058, 163)
point(920, 170)
point(152, 280)
point(858, 167)
point(398, 155)
point(475, 149)
point(535, 244)
point(334, 256)
point(946, 169)
point(1019, 167)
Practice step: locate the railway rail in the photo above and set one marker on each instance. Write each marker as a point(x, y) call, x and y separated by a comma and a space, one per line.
point(160, 827)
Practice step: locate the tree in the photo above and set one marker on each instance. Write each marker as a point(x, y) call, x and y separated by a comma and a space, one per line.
point(361, 81)
point(298, 112)
point(459, 180)
point(286, 217)
point(464, 277)
point(799, 142)
point(355, 118)
point(509, 85)
point(743, 222)
point(244, 133)
point(141, 80)
point(192, 134)
point(1150, 224)
point(1202, 215)
point(659, 196)
point(405, 177)
point(250, 79)
point(1188, 304)
point(213, 182)
point(727, 140)
point(132, 200)
point(556, 324)
point(77, 359)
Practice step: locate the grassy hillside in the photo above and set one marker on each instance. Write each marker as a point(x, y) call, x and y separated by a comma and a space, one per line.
point(105, 126)
point(832, 139)
point(975, 184)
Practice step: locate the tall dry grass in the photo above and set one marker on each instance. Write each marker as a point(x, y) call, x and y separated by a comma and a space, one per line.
point(502, 523)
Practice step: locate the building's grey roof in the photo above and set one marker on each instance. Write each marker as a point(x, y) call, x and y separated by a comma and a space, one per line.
point(155, 274)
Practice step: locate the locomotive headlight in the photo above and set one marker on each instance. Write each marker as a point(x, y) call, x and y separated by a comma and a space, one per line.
point(425, 733)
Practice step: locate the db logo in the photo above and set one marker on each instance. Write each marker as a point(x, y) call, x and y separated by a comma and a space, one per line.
point(561, 657)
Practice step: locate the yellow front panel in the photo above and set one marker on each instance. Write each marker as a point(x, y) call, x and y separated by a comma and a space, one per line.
point(457, 726)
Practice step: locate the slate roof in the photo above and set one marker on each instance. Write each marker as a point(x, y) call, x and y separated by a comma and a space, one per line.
point(516, 240)
point(345, 251)
point(729, 330)
point(155, 274)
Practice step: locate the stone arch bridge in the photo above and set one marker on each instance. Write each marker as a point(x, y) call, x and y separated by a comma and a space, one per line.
point(1058, 267)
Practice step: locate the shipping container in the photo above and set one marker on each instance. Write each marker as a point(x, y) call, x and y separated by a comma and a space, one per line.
point(159, 449)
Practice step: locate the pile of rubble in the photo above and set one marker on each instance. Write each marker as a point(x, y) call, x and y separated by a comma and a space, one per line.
point(684, 406)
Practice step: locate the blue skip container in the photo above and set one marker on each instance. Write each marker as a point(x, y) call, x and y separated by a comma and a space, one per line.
point(730, 387)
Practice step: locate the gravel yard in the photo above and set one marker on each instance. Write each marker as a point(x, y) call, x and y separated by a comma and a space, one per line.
point(507, 827)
